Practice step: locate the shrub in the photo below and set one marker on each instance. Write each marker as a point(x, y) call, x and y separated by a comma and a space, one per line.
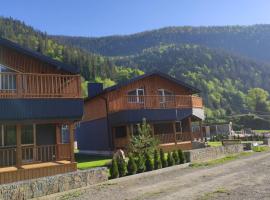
point(114, 169)
point(164, 162)
point(170, 159)
point(132, 167)
point(149, 165)
point(175, 157)
point(140, 164)
point(122, 166)
point(157, 162)
point(181, 156)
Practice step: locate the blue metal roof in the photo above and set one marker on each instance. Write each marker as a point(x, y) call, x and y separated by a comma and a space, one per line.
point(161, 74)
point(58, 65)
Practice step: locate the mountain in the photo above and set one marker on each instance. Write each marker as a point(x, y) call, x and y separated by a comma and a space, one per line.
point(250, 41)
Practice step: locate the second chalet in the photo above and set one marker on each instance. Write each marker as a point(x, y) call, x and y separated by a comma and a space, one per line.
point(172, 108)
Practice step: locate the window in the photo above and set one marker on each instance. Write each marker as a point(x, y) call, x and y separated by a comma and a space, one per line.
point(27, 134)
point(135, 129)
point(9, 135)
point(163, 128)
point(65, 134)
point(120, 132)
point(178, 127)
point(7, 80)
point(165, 95)
point(136, 96)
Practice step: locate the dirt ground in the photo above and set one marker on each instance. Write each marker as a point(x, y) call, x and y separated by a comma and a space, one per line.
point(245, 178)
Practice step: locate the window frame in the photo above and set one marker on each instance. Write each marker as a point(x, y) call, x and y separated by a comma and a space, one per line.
point(162, 96)
point(138, 99)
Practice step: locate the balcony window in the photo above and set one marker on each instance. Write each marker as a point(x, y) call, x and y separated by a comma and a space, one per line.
point(165, 95)
point(136, 96)
point(27, 134)
point(8, 135)
point(120, 132)
point(65, 134)
point(7, 79)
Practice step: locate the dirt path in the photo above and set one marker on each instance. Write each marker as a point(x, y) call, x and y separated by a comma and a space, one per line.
point(245, 178)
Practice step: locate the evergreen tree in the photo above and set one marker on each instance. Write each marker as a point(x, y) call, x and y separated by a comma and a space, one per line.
point(140, 164)
point(170, 159)
point(175, 157)
point(114, 169)
point(181, 156)
point(122, 166)
point(163, 159)
point(157, 161)
point(149, 165)
point(132, 167)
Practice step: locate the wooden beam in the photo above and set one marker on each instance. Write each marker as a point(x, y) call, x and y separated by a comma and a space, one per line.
point(58, 140)
point(71, 139)
point(174, 131)
point(201, 133)
point(18, 146)
point(190, 128)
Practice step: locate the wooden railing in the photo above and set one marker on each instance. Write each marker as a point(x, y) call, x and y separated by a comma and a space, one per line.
point(7, 157)
point(21, 85)
point(63, 151)
point(44, 153)
point(155, 102)
point(177, 137)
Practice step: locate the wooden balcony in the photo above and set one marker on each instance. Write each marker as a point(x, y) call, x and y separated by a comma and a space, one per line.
point(155, 102)
point(22, 85)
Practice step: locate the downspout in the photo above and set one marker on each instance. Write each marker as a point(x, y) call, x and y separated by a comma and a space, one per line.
point(108, 123)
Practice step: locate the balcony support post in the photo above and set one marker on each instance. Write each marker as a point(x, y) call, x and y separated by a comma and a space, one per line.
point(201, 133)
point(190, 128)
point(18, 146)
point(58, 141)
point(174, 131)
point(71, 140)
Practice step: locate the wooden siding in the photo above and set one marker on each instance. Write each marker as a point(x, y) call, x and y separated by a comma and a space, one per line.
point(12, 174)
point(94, 109)
point(26, 64)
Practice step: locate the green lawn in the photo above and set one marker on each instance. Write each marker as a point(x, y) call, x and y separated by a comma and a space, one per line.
point(87, 161)
point(214, 144)
point(260, 148)
point(262, 131)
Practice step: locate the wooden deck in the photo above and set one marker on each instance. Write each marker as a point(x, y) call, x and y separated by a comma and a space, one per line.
point(31, 171)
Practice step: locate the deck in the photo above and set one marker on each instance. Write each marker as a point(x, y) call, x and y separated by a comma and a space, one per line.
point(31, 171)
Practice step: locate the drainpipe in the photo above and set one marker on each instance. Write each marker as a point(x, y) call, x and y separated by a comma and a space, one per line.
point(108, 123)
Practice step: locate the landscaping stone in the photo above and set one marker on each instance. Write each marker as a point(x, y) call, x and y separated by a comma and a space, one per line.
point(211, 153)
point(49, 185)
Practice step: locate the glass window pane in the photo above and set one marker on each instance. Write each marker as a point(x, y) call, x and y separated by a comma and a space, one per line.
point(27, 134)
point(10, 135)
point(65, 134)
point(120, 132)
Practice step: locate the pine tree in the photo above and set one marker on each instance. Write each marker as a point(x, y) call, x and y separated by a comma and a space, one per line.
point(132, 167)
point(175, 157)
point(122, 166)
point(170, 159)
point(140, 164)
point(114, 169)
point(157, 162)
point(181, 156)
point(164, 162)
point(149, 165)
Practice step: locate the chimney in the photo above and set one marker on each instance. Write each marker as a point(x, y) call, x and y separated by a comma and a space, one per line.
point(94, 89)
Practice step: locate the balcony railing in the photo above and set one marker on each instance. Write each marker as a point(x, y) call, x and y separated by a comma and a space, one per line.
point(178, 137)
point(21, 85)
point(155, 102)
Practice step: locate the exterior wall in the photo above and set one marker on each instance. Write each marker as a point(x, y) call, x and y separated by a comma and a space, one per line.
point(94, 109)
point(49, 185)
point(46, 134)
point(40, 109)
point(25, 63)
point(93, 135)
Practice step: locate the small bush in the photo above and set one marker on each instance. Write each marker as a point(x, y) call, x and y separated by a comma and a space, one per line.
point(149, 165)
point(170, 159)
point(164, 162)
point(181, 156)
point(157, 161)
point(122, 167)
point(114, 169)
point(175, 157)
point(132, 167)
point(140, 164)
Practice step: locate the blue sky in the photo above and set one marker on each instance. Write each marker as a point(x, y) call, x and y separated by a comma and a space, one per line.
point(107, 17)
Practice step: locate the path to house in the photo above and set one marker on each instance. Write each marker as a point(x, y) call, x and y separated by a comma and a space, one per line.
point(245, 178)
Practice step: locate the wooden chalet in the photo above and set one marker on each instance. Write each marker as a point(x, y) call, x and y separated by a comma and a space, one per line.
point(172, 108)
point(40, 100)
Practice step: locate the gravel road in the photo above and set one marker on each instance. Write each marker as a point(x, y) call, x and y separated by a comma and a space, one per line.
point(245, 178)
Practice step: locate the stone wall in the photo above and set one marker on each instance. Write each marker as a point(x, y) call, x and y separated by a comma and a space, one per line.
point(52, 184)
point(210, 153)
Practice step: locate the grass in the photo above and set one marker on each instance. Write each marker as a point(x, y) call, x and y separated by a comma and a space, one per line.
point(88, 161)
point(260, 148)
point(214, 144)
point(220, 160)
point(262, 131)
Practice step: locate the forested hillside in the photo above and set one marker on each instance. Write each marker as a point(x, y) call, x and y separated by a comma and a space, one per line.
point(250, 41)
point(224, 78)
point(93, 67)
